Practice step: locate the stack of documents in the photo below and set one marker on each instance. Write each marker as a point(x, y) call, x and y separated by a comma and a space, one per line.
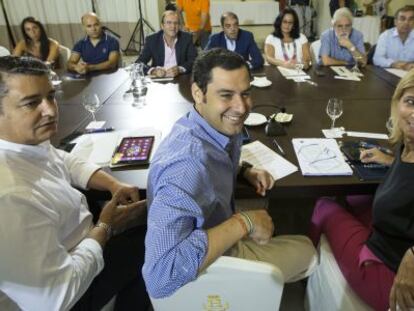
point(262, 157)
point(293, 74)
point(320, 157)
point(345, 74)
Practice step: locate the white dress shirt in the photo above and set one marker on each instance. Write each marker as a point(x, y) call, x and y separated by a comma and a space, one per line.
point(46, 261)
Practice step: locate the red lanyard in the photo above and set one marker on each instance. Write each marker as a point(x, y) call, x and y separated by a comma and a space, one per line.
point(285, 56)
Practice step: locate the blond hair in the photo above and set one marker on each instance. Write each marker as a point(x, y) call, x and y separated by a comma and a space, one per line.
point(407, 82)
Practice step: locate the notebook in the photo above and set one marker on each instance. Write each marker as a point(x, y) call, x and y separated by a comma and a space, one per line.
point(320, 157)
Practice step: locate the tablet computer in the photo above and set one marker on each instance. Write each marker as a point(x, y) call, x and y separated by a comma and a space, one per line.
point(133, 151)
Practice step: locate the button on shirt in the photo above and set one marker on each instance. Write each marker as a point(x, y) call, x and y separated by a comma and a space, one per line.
point(190, 189)
point(391, 49)
point(47, 263)
point(96, 54)
point(330, 46)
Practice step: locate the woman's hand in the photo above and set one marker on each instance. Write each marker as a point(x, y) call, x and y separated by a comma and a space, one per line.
point(374, 155)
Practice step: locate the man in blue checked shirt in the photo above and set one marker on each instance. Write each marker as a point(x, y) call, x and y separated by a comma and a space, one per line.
point(192, 218)
point(341, 44)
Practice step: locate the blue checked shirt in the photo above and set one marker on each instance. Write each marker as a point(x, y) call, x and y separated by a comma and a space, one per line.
point(330, 46)
point(190, 189)
point(391, 49)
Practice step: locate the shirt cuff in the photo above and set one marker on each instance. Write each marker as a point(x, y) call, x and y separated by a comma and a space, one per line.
point(182, 69)
point(96, 249)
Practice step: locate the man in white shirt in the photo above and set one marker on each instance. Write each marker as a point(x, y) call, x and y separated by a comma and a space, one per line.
point(52, 255)
point(395, 47)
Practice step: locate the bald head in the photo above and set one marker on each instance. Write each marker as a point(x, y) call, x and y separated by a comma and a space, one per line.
point(92, 25)
point(89, 15)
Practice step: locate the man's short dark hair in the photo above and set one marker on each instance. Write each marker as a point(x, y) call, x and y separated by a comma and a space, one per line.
point(208, 60)
point(405, 8)
point(228, 14)
point(11, 65)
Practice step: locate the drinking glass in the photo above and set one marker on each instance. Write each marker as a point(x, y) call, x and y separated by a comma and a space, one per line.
point(91, 103)
point(334, 109)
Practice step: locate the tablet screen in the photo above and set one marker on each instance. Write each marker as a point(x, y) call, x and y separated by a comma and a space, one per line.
point(133, 150)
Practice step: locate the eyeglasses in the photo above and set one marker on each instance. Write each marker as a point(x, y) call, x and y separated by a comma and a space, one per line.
point(318, 157)
point(170, 23)
point(343, 27)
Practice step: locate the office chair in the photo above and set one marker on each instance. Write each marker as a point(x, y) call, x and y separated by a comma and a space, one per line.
point(229, 284)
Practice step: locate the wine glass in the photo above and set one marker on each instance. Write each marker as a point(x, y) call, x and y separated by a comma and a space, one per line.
point(91, 103)
point(355, 69)
point(334, 109)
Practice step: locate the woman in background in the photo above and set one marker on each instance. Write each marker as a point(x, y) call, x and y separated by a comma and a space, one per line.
point(36, 43)
point(286, 46)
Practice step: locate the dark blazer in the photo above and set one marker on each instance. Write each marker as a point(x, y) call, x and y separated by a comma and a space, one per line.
point(154, 50)
point(245, 46)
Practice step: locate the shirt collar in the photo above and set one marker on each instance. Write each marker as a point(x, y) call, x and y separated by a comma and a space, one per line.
point(395, 33)
point(104, 37)
point(38, 151)
point(221, 139)
point(165, 42)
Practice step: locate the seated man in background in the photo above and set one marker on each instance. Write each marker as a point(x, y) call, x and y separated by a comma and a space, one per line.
point(97, 51)
point(237, 40)
point(192, 216)
point(52, 255)
point(395, 47)
point(170, 50)
point(342, 45)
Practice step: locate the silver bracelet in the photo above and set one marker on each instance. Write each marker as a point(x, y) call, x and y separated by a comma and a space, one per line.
point(106, 227)
point(249, 221)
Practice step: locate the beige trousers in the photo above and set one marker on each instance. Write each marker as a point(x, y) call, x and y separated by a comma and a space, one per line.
point(294, 255)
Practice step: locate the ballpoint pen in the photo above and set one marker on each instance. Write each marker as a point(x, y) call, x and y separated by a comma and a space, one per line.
point(367, 145)
point(282, 152)
point(99, 130)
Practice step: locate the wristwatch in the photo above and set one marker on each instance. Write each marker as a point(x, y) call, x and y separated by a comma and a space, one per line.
point(353, 48)
point(243, 167)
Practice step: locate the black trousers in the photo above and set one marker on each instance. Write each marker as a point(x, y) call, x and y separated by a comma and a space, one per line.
point(121, 276)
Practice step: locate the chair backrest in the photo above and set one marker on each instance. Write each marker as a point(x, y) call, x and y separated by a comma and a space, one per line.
point(232, 284)
point(314, 49)
point(4, 51)
point(370, 55)
point(64, 55)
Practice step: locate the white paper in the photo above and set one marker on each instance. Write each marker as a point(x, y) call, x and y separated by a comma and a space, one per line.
point(298, 78)
point(95, 125)
point(336, 132)
point(261, 82)
point(261, 156)
point(287, 73)
point(367, 135)
point(398, 72)
point(320, 157)
point(98, 148)
point(349, 78)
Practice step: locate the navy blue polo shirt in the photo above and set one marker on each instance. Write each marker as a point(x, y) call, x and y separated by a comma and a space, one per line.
point(96, 54)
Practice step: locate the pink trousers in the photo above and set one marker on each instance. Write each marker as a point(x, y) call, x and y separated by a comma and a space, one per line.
point(347, 229)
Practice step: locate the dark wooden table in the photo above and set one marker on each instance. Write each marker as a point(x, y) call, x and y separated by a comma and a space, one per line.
point(366, 108)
